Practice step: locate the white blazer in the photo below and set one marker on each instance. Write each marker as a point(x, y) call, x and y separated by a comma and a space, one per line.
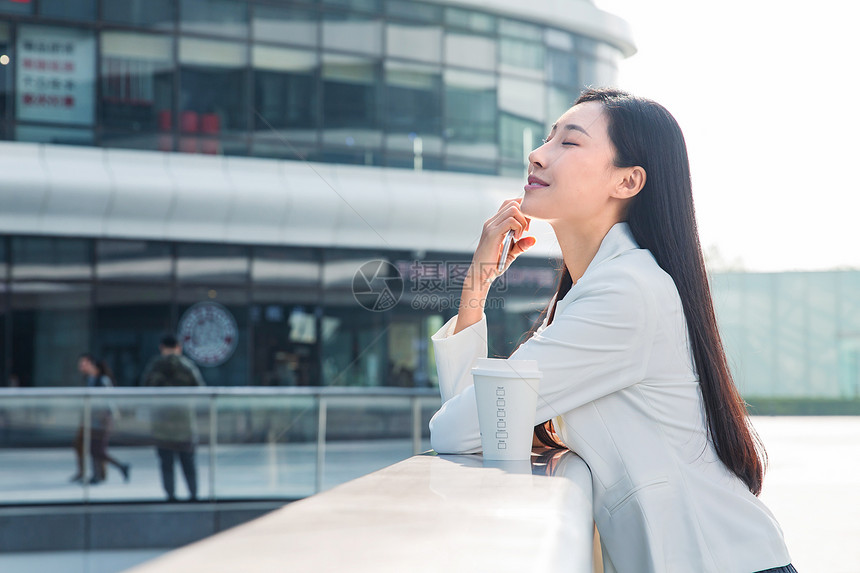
point(620, 385)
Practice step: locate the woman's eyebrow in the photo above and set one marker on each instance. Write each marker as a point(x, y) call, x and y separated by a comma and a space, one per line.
point(574, 127)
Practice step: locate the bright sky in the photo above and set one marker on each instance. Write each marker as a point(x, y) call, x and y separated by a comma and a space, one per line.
point(767, 96)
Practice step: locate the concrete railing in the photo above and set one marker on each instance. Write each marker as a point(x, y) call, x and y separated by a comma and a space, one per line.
point(427, 513)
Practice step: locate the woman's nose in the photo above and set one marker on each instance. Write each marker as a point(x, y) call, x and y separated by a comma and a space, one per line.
point(535, 157)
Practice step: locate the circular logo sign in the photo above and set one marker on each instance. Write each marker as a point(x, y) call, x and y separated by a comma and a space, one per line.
point(377, 285)
point(208, 333)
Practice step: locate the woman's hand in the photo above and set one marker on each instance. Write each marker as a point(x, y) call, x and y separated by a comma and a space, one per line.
point(485, 261)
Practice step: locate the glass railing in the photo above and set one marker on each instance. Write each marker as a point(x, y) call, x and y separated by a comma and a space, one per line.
point(225, 443)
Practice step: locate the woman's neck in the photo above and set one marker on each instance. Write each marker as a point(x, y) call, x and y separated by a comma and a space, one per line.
point(579, 245)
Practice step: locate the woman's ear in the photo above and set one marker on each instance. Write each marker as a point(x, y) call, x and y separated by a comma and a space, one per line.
point(631, 183)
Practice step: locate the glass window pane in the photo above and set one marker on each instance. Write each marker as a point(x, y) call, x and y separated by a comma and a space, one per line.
point(50, 330)
point(359, 5)
point(266, 447)
point(16, 7)
point(212, 264)
point(286, 268)
point(130, 321)
point(561, 68)
point(59, 135)
point(37, 258)
point(518, 137)
point(286, 352)
point(159, 14)
point(596, 73)
point(350, 101)
point(413, 11)
point(286, 91)
point(521, 57)
point(212, 91)
point(56, 75)
point(68, 9)
point(470, 51)
point(414, 106)
point(133, 261)
point(470, 114)
point(559, 101)
point(558, 39)
point(523, 98)
point(352, 33)
point(220, 17)
point(286, 25)
point(519, 29)
point(469, 20)
point(137, 82)
point(414, 42)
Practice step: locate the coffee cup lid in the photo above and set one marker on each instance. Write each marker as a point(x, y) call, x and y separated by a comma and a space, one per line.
point(507, 368)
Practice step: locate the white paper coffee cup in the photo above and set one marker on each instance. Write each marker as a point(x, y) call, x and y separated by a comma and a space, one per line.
point(506, 392)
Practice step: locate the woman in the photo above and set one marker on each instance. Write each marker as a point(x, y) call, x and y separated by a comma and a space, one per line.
point(635, 379)
point(98, 375)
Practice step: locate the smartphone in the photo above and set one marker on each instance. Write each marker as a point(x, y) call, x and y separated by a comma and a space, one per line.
point(506, 247)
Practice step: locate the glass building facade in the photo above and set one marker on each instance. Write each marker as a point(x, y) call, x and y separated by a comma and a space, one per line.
point(297, 319)
point(372, 82)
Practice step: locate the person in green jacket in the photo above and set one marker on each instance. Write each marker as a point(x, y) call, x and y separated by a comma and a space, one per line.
point(174, 427)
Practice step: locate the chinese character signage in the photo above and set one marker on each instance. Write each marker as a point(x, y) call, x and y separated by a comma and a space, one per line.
point(56, 75)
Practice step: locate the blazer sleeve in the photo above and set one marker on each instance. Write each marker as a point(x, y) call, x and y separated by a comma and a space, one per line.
point(599, 343)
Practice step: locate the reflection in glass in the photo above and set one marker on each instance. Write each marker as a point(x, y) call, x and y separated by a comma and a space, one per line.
point(286, 24)
point(413, 96)
point(129, 322)
point(519, 29)
point(266, 447)
point(137, 84)
point(470, 116)
point(35, 434)
point(285, 92)
point(219, 17)
point(521, 57)
point(50, 330)
point(413, 11)
point(353, 33)
point(561, 68)
point(142, 13)
point(285, 340)
point(297, 269)
point(384, 424)
point(350, 100)
point(58, 135)
point(414, 42)
point(212, 264)
point(68, 9)
point(15, 7)
point(49, 258)
point(469, 20)
point(470, 51)
point(133, 261)
point(212, 91)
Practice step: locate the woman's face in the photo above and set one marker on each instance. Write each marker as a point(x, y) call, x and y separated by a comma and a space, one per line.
point(571, 176)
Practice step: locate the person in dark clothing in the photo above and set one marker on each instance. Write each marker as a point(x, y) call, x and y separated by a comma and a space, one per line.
point(173, 427)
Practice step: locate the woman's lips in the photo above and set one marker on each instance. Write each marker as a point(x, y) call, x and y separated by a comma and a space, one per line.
point(535, 183)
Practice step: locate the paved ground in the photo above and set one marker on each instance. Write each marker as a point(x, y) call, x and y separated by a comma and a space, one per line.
point(812, 486)
point(813, 489)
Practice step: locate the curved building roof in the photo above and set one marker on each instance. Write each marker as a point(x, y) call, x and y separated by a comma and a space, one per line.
point(126, 194)
point(579, 16)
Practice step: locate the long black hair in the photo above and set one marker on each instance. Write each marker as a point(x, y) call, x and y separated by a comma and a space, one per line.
point(662, 220)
